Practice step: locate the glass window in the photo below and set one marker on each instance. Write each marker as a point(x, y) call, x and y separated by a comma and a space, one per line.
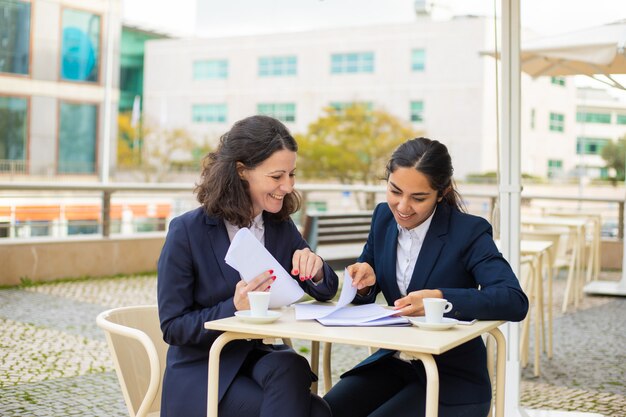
point(557, 122)
point(591, 146)
point(351, 63)
point(418, 59)
point(285, 112)
point(589, 117)
point(80, 47)
point(417, 111)
point(621, 119)
point(14, 36)
point(77, 138)
point(212, 113)
point(340, 106)
point(557, 80)
point(555, 168)
point(278, 66)
point(82, 227)
point(13, 128)
point(210, 69)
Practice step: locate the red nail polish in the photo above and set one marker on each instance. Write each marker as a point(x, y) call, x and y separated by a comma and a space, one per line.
point(295, 272)
point(273, 278)
point(271, 271)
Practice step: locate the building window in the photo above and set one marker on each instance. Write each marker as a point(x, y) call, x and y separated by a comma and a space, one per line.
point(208, 113)
point(555, 168)
point(278, 66)
point(589, 117)
point(212, 69)
point(341, 106)
point(285, 112)
point(590, 146)
point(77, 138)
point(557, 122)
point(13, 136)
point(80, 47)
point(352, 63)
point(417, 111)
point(418, 59)
point(557, 80)
point(621, 119)
point(14, 36)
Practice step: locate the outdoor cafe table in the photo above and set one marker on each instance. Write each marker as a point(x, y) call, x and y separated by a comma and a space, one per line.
point(412, 341)
point(576, 226)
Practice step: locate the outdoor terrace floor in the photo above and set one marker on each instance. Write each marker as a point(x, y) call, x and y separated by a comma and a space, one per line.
point(54, 360)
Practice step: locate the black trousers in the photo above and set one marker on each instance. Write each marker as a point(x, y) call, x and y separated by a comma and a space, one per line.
point(273, 384)
point(390, 388)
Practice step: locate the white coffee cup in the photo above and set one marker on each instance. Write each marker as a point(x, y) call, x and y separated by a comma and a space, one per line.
point(434, 308)
point(259, 302)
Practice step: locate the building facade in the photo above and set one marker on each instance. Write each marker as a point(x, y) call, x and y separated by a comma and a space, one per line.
point(433, 74)
point(54, 87)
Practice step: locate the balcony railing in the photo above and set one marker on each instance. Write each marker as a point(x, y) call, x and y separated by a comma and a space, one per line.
point(30, 209)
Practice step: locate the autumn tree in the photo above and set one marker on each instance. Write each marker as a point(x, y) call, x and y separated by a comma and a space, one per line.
point(614, 153)
point(351, 145)
point(153, 152)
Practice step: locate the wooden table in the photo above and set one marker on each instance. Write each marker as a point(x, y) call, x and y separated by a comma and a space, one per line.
point(412, 341)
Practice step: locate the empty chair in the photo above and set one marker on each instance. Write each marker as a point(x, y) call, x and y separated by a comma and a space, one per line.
point(138, 351)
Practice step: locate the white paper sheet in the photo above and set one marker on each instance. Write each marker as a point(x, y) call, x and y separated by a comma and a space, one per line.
point(343, 315)
point(250, 258)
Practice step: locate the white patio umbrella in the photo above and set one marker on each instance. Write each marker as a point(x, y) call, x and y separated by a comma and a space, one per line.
point(598, 52)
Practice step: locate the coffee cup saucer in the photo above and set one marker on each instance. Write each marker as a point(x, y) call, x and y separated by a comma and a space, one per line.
point(246, 315)
point(446, 323)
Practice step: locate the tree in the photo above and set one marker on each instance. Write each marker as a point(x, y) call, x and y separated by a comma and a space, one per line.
point(351, 145)
point(614, 153)
point(153, 153)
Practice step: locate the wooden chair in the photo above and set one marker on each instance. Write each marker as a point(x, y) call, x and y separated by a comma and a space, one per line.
point(138, 351)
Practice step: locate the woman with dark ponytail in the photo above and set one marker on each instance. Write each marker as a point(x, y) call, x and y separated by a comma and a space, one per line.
point(421, 245)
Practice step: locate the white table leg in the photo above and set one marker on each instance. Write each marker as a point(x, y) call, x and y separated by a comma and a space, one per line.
point(214, 368)
point(432, 381)
point(500, 370)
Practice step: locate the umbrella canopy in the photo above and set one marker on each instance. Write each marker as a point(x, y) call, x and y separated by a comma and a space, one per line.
point(597, 52)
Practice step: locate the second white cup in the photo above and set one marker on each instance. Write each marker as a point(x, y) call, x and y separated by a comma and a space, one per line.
point(259, 302)
point(434, 309)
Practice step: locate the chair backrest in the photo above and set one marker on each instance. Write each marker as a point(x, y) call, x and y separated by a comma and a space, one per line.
point(138, 350)
point(558, 250)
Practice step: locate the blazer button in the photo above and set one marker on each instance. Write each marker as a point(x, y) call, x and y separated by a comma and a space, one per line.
point(457, 314)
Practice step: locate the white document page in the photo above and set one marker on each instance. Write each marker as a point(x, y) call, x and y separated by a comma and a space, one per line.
point(315, 311)
point(250, 258)
point(343, 315)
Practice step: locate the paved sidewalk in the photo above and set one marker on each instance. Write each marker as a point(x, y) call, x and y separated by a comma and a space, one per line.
point(54, 360)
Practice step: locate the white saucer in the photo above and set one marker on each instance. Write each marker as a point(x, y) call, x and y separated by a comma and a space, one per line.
point(445, 324)
point(271, 316)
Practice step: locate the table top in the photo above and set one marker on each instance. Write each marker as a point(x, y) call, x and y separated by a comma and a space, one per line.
point(531, 247)
point(555, 221)
point(406, 339)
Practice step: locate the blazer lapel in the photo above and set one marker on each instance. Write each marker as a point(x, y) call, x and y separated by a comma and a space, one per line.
point(389, 265)
point(220, 243)
point(434, 242)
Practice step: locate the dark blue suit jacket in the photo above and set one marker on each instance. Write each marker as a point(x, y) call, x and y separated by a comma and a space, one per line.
point(458, 255)
point(195, 285)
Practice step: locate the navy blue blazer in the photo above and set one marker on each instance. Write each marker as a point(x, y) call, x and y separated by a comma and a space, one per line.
point(196, 285)
point(458, 255)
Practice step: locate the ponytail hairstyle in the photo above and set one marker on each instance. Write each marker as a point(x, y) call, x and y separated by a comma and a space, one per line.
point(432, 159)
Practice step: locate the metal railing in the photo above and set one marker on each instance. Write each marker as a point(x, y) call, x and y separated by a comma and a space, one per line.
point(330, 197)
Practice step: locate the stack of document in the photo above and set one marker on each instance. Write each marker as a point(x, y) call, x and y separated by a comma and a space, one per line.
point(342, 314)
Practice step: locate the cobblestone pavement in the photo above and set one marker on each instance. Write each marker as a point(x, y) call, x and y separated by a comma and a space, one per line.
point(54, 360)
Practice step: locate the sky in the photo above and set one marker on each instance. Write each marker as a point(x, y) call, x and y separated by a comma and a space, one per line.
point(244, 17)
